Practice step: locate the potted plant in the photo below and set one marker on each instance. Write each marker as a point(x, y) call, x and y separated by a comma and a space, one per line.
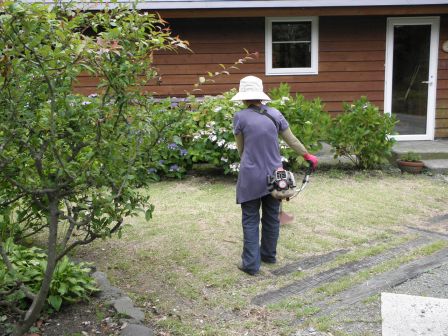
point(410, 162)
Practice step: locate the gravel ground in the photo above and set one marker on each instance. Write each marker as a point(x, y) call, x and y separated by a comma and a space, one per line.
point(365, 318)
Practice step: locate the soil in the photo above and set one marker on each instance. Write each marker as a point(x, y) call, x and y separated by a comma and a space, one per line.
point(81, 319)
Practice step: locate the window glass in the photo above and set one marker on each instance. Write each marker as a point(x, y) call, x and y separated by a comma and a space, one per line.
point(291, 44)
point(291, 31)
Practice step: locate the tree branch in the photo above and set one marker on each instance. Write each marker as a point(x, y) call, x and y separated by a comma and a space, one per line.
point(86, 240)
point(6, 203)
point(12, 307)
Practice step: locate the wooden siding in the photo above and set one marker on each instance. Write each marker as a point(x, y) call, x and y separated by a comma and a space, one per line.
point(351, 61)
point(442, 84)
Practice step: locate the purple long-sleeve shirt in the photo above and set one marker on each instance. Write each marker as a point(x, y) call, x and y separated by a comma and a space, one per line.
point(261, 154)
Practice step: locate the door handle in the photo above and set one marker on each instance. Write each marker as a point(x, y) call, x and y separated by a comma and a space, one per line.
point(427, 82)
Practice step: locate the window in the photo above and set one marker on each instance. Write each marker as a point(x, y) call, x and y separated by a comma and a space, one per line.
point(292, 45)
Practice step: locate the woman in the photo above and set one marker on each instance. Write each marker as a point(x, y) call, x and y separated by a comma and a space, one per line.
point(256, 130)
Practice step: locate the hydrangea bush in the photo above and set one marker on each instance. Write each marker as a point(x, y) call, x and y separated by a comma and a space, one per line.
point(197, 131)
point(166, 135)
point(211, 138)
point(362, 134)
point(307, 120)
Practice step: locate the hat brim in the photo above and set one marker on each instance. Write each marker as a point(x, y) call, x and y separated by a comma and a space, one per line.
point(251, 96)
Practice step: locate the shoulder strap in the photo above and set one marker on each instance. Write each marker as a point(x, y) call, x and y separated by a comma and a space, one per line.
point(265, 113)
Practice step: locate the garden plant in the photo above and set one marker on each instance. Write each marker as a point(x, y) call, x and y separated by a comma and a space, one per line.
point(69, 163)
point(362, 134)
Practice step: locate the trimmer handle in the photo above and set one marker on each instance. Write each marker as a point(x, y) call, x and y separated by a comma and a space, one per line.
point(308, 172)
point(310, 168)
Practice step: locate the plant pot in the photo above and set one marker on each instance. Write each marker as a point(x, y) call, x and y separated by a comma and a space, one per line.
point(412, 167)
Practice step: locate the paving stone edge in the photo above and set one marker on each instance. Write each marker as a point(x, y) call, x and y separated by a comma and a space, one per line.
point(131, 316)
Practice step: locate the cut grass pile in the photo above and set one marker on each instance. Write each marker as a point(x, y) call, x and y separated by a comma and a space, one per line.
point(181, 265)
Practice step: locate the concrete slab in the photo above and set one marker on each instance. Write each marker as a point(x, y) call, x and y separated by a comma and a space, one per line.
point(437, 166)
point(409, 315)
point(437, 149)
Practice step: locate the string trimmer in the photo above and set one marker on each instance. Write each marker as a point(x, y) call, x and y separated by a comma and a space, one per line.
point(283, 187)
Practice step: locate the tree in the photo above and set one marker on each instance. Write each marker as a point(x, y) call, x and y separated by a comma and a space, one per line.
point(68, 162)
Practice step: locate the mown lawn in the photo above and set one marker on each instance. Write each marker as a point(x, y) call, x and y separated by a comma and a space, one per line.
point(181, 265)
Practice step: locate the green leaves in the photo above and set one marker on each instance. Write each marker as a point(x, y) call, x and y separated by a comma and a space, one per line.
point(71, 282)
point(307, 119)
point(148, 212)
point(92, 150)
point(211, 138)
point(55, 301)
point(362, 134)
point(88, 154)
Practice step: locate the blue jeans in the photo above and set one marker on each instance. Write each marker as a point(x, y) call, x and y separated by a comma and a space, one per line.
point(253, 251)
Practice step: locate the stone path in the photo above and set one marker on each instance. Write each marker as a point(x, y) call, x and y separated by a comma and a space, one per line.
point(131, 317)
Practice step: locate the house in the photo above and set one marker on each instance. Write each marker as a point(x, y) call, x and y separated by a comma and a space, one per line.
point(395, 52)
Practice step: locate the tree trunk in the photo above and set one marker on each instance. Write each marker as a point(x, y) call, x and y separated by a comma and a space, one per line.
point(34, 311)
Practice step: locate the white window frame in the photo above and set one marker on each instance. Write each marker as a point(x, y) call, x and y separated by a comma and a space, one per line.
point(313, 70)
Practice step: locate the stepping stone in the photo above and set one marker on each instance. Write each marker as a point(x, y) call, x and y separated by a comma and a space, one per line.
point(439, 219)
point(136, 330)
point(125, 307)
point(409, 315)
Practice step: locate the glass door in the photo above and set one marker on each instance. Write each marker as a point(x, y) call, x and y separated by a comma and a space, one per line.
point(411, 65)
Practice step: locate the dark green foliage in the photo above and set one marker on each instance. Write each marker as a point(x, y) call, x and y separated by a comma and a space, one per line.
point(307, 119)
point(164, 139)
point(71, 282)
point(362, 134)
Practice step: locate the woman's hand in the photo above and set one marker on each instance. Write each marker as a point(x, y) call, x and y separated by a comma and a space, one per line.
point(311, 159)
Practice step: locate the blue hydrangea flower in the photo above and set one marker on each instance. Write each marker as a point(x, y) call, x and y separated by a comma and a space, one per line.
point(161, 162)
point(174, 168)
point(183, 152)
point(172, 146)
point(152, 170)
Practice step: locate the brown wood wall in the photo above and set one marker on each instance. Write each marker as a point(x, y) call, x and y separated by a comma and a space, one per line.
point(442, 84)
point(351, 61)
point(350, 64)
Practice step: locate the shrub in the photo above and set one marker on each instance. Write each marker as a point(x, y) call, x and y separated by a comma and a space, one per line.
point(71, 282)
point(212, 140)
point(307, 120)
point(165, 136)
point(362, 134)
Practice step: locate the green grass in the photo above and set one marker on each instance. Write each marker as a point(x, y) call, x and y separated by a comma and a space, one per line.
point(185, 257)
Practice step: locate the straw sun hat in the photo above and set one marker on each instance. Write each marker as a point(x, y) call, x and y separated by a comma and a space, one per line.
point(251, 88)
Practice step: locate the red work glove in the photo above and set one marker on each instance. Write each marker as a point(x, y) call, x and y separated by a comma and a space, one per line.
point(311, 159)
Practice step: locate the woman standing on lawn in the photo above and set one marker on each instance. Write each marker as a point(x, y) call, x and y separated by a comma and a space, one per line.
point(256, 130)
